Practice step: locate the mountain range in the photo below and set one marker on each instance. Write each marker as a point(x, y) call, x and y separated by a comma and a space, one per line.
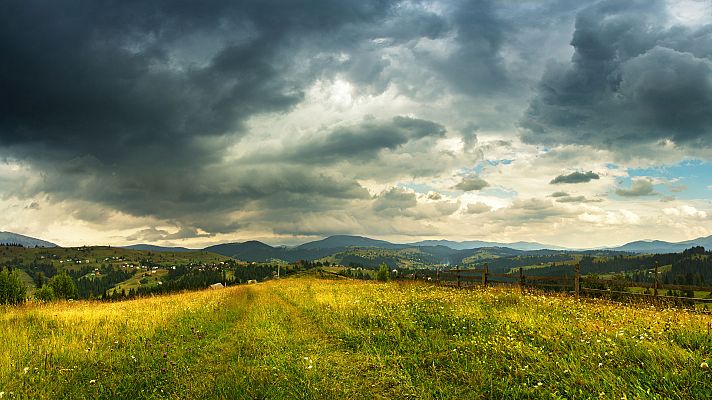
point(659, 246)
point(476, 244)
point(257, 251)
point(25, 241)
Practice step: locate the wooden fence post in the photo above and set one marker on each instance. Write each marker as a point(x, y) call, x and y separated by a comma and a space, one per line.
point(485, 273)
point(458, 275)
point(521, 278)
point(577, 280)
point(655, 288)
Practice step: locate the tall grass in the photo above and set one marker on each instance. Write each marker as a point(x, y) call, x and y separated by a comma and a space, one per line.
point(313, 338)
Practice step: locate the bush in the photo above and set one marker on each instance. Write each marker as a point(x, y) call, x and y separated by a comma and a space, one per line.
point(63, 286)
point(382, 273)
point(45, 293)
point(12, 289)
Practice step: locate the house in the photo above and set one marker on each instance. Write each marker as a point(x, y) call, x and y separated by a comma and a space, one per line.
point(217, 286)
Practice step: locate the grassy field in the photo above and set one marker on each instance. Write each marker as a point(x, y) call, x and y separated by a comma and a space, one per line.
point(306, 337)
point(152, 278)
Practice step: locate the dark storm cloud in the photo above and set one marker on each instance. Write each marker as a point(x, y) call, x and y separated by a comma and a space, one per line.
point(131, 105)
point(631, 81)
point(107, 78)
point(362, 142)
point(477, 66)
point(195, 202)
point(575, 177)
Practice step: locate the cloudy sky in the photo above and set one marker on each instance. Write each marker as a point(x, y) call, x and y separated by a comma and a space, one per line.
point(188, 123)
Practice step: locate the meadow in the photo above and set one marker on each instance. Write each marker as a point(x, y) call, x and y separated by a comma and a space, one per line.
point(311, 337)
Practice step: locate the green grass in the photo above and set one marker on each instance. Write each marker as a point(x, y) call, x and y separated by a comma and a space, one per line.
point(316, 338)
point(28, 281)
point(152, 276)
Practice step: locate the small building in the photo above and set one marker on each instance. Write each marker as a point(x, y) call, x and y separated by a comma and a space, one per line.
point(217, 286)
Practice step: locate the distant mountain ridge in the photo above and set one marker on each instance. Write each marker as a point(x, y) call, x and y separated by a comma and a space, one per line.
point(26, 241)
point(344, 241)
point(659, 246)
point(254, 250)
point(445, 249)
point(258, 251)
point(476, 244)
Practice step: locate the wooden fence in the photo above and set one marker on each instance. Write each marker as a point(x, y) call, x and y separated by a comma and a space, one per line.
point(576, 284)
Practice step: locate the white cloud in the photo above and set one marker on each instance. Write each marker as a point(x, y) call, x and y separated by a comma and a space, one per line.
point(685, 211)
point(619, 217)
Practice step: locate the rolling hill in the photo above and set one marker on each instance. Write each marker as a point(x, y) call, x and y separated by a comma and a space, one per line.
point(256, 251)
point(252, 250)
point(351, 249)
point(346, 241)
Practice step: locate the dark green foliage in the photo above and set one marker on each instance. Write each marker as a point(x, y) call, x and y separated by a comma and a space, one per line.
point(91, 284)
point(382, 275)
point(504, 264)
point(12, 289)
point(40, 279)
point(45, 293)
point(40, 267)
point(693, 268)
point(63, 286)
point(591, 266)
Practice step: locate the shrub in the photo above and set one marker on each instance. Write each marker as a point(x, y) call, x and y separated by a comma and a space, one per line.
point(45, 293)
point(382, 273)
point(63, 286)
point(12, 289)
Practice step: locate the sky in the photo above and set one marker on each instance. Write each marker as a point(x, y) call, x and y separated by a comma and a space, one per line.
point(580, 124)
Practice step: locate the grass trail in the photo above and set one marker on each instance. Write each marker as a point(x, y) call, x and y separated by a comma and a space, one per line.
point(321, 339)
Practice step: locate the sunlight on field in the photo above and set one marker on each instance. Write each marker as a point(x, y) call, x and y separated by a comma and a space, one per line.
point(314, 338)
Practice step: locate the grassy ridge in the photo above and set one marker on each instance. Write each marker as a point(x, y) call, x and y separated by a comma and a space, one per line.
point(313, 338)
point(64, 257)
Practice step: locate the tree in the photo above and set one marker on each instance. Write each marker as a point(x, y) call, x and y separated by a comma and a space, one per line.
point(45, 293)
point(40, 279)
point(12, 289)
point(382, 273)
point(63, 286)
